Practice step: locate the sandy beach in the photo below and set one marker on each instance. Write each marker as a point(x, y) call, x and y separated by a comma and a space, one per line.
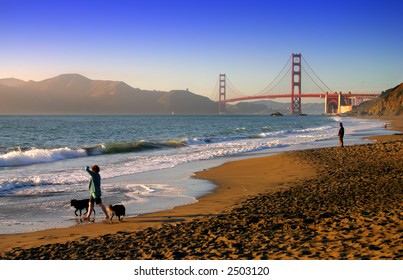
point(327, 203)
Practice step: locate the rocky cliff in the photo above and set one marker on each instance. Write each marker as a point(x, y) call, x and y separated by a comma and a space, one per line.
point(389, 103)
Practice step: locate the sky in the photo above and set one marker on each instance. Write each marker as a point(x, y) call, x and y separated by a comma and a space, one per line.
point(165, 45)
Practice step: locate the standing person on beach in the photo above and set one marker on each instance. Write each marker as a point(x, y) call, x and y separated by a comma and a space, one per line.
point(341, 135)
point(95, 190)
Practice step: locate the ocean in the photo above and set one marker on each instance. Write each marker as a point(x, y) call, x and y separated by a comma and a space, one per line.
point(146, 162)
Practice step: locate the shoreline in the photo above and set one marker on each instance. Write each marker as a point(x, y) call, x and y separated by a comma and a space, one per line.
point(208, 205)
point(252, 178)
point(396, 123)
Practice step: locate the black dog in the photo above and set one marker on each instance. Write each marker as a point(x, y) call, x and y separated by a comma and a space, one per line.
point(116, 210)
point(81, 205)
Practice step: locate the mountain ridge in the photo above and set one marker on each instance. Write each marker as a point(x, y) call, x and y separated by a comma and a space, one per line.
point(76, 94)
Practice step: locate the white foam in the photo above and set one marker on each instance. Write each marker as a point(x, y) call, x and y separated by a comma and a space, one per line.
point(313, 129)
point(35, 155)
point(336, 118)
point(126, 164)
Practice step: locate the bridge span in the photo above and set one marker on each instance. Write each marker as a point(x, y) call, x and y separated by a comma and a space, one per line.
point(334, 102)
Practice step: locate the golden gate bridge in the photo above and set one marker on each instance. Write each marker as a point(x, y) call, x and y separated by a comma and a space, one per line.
point(335, 103)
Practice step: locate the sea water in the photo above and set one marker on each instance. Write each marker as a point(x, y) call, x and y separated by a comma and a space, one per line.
point(146, 161)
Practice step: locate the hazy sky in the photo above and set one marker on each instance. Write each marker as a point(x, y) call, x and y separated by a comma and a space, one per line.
point(164, 45)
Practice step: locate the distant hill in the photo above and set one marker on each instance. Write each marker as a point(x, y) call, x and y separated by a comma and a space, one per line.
point(313, 108)
point(270, 107)
point(389, 103)
point(12, 82)
point(75, 94)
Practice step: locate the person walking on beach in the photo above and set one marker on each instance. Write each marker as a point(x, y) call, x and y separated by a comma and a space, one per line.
point(341, 135)
point(95, 190)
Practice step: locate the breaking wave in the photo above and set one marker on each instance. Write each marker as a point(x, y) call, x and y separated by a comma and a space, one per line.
point(35, 155)
point(28, 156)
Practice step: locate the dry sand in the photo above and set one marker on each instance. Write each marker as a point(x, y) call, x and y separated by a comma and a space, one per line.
point(331, 203)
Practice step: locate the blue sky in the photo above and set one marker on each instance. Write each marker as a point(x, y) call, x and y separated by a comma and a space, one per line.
point(174, 44)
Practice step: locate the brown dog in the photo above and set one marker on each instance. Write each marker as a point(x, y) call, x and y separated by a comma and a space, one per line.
point(117, 210)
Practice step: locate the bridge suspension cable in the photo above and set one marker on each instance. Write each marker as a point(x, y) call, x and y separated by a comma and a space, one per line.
point(306, 72)
point(269, 88)
point(234, 89)
point(234, 92)
point(213, 95)
point(306, 62)
point(296, 95)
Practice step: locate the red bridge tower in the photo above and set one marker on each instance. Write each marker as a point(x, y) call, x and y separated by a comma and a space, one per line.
point(296, 84)
point(222, 94)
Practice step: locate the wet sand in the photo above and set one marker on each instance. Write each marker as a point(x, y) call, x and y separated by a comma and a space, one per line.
point(330, 203)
